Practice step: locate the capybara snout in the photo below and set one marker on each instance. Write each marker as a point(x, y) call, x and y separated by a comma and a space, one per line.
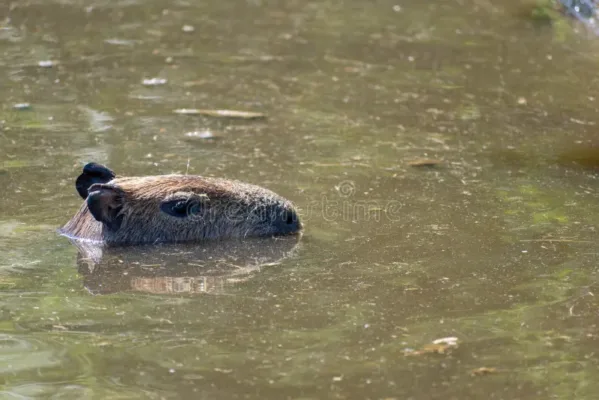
point(174, 208)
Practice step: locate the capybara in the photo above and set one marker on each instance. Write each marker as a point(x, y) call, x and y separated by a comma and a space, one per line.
point(174, 208)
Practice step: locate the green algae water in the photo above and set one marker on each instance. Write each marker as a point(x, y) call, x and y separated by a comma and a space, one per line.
point(491, 242)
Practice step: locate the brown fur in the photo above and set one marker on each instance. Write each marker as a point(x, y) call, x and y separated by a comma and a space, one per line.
point(228, 209)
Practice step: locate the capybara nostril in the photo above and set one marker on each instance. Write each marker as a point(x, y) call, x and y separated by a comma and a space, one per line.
point(290, 217)
point(287, 221)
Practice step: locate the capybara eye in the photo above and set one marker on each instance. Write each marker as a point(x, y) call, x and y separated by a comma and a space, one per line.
point(176, 208)
point(181, 208)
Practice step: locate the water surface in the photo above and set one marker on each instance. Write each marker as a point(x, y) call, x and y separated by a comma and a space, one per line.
point(495, 246)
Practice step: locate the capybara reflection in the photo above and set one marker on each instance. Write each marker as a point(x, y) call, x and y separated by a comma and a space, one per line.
point(174, 208)
point(214, 267)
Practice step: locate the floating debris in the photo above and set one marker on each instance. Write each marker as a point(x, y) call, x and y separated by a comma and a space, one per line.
point(59, 328)
point(22, 106)
point(439, 346)
point(424, 162)
point(154, 82)
point(121, 42)
point(221, 113)
point(429, 349)
point(196, 83)
point(201, 135)
point(46, 64)
point(188, 28)
point(483, 371)
point(451, 341)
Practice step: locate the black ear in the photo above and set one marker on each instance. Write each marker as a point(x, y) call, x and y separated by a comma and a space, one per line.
point(105, 204)
point(92, 173)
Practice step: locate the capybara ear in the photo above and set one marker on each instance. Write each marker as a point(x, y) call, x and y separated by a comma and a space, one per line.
point(105, 204)
point(92, 173)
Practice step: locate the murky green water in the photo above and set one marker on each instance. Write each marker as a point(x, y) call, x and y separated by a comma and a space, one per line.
point(497, 246)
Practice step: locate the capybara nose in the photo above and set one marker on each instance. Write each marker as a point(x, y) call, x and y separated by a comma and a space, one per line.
point(287, 222)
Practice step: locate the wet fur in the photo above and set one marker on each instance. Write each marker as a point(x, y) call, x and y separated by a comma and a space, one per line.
point(230, 209)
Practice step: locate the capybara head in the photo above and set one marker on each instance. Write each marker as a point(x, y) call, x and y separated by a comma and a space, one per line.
point(174, 208)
